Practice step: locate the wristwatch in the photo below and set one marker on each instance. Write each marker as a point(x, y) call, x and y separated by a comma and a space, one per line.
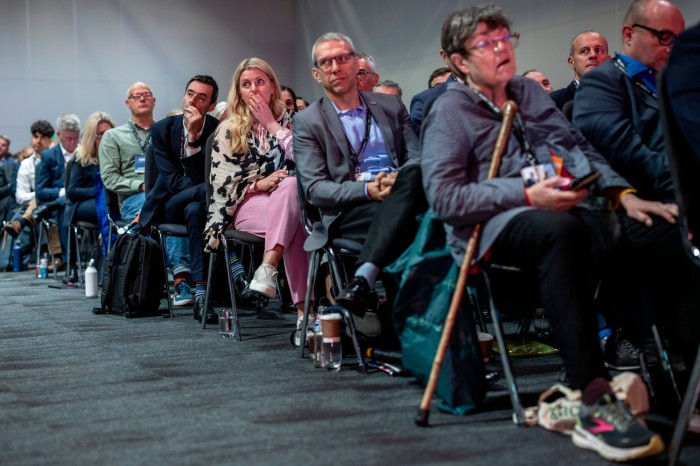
point(192, 143)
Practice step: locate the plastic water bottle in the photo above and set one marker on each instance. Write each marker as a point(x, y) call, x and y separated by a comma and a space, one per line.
point(226, 324)
point(17, 257)
point(91, 280)
point(542, 326)
point(318, 344)
point(44, 267)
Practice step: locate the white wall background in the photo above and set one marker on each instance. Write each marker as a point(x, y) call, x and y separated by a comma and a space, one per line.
point(79, 56)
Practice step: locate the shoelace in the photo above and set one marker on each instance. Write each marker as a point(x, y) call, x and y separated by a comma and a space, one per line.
point(614, 411)
point(626, 346)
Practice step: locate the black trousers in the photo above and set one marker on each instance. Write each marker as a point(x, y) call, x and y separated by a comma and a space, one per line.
point(386, 228)
point(188, 207)
point(553, 251)
point(661, 281)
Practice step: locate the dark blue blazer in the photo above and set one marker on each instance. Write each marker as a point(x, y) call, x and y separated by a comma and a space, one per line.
point(421, 101)
point(50, 175)
point(175, 174)
point(564, 95)
point(79, 187)
point(623, 122)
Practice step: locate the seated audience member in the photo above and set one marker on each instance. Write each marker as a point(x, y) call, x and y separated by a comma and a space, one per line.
point(122, 168)
point(438, 76)
point(50, 180)
point(301, 104)
point(355, 180)
point(289, 98)
point(80, 187)
point(5, 155)
point(179, 194)
point(588, 50)
point(629, 134)
point(533, 228)
point(23, 183)
point(541, 78)
point(252, 189)
point(422, 100)
point(367, 76)
point(388, 87)
point(219, 111)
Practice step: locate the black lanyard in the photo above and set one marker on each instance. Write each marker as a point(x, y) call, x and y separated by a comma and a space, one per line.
point(355, 156)
point(518, 127)
point(143, 145)
point(638, 81)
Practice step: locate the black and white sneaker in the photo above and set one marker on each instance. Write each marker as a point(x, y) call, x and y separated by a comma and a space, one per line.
point(619, 353)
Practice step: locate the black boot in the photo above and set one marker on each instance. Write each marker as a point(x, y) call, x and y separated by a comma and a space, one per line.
point(246, 295)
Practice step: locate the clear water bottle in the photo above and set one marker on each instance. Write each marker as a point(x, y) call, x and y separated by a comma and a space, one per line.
point(543, 328)
point(91, 280)
point(226, 324)
point(44, 267)
point(317, 354)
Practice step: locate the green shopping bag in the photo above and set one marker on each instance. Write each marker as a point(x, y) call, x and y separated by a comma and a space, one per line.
point(427, 275)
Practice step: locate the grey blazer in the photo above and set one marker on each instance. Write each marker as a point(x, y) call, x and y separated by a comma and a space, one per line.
point(324, 166)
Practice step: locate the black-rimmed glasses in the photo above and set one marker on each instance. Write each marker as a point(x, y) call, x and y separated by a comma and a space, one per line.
point(141, 95)
point(664, 36)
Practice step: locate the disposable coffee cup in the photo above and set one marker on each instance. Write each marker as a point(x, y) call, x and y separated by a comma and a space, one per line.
point(485, 342)
point(330, 325)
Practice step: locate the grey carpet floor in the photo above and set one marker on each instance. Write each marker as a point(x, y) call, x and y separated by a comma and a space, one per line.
point(84, 389)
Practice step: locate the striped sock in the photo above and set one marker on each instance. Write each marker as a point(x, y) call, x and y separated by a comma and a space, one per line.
point(200, 290)
point(235, 265)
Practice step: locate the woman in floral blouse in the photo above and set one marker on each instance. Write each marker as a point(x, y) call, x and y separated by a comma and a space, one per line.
point(250, 174)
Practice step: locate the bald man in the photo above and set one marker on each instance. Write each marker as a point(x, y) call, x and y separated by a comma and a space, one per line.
point(588, 50)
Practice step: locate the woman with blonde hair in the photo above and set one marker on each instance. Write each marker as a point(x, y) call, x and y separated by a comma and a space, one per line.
point(253, 189)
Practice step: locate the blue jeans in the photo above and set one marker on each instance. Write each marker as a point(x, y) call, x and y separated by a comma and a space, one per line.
point(175, 248)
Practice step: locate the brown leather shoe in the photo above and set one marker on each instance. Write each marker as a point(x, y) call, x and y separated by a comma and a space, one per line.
point(13, 228)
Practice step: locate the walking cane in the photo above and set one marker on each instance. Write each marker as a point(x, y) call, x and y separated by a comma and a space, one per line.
point(508, 110)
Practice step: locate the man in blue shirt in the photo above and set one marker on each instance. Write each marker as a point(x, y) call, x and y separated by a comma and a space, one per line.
point(617, 110)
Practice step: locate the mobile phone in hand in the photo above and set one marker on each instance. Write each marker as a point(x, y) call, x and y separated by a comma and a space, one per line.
point(585, 181)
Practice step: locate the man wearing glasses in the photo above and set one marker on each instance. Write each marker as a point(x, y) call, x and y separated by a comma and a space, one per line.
point(617, 110)
point(349, 147)
point(367, 78)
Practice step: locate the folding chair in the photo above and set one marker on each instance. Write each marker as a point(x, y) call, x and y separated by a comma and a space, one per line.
point(337, 251)
point(247, 241)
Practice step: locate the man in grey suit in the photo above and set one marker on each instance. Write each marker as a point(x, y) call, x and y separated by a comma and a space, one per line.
point(357, 159)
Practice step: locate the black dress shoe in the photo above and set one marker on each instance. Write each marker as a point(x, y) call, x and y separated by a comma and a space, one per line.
point(71, 277)
point(248, 297)
point(355, 297)
point(492, 377)
point(212, 318)
point(40, 213)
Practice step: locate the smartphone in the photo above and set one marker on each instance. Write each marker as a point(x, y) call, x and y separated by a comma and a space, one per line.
point(584, 181)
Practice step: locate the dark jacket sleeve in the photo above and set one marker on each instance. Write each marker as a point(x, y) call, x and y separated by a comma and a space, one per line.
point(81, 185)
point(48, 184)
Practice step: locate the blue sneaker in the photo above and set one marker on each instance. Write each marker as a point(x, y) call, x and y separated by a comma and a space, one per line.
point(183, 295)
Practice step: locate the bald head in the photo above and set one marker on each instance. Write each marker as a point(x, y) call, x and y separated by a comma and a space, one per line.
point(588, 50)
point(649, 30)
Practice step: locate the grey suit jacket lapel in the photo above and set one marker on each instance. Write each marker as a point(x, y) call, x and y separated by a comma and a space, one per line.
point(336, 128)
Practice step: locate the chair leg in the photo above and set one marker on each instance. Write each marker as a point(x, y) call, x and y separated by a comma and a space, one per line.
point(665, 362)
point(161, 240)
point(685, 414)
point(49, 238)
point(206, 293)
point(314, 263)
point(518, 417)
point(232, 292)
point(78, 251)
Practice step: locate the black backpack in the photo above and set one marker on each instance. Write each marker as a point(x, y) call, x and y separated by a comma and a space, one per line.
point(133, 279)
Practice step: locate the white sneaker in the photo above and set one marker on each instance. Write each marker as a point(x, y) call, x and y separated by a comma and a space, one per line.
point(265, 280)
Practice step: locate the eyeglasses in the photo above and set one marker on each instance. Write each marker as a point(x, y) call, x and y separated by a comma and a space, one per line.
point(362, 75)
point(141, 95)
point(326, 63)
point(664, 36)
point(99, 135)
point(492, 44)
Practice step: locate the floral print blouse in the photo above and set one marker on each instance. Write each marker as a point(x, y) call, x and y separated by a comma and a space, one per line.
point(232, 175)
